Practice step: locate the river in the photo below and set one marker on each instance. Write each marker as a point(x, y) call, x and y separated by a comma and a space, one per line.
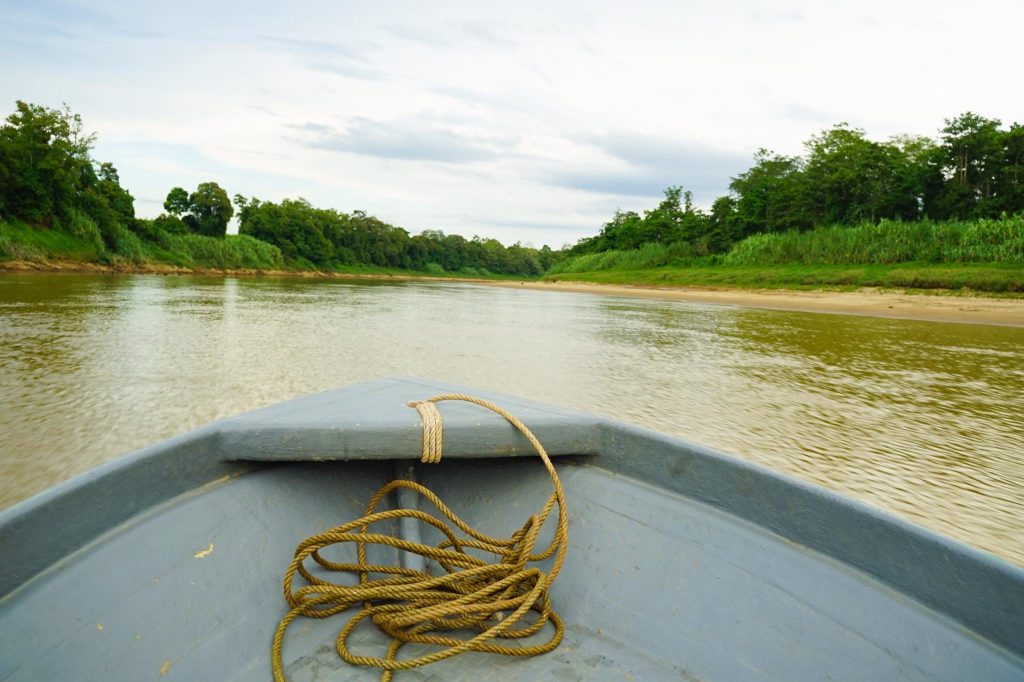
point(923, 419)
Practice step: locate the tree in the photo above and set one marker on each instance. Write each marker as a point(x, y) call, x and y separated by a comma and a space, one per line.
point(662, 224)
point(624, 231)
point(694, 225)
point(118, 198)
point(177, 202)
point(724, 228)
point(209, 210)
point(44, 159)
point(48, 179)
point(771, 195)
point(921, 171)
point(972, 157)
point(850, 179)
point(1011, 183)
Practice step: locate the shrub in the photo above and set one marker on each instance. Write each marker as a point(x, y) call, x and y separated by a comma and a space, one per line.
point(643, 258)
point(153, 231)
point(434, 269)
point(124, 246)
point(85, 228)
point(232, 251)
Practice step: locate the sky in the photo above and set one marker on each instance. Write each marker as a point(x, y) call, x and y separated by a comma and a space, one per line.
point(525, 121)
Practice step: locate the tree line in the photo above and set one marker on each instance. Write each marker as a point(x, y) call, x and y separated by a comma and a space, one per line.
point(49, 180)
point(327, 238)
point(973, 170)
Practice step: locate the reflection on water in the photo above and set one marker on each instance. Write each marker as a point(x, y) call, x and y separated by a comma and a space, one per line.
point(923, 419)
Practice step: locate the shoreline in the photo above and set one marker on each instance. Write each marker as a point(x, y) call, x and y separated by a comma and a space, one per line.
point(965, 309)
point(972, 308)
point(76, 267)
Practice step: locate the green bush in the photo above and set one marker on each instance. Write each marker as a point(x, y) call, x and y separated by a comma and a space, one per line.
point(233, 251)
point(646, 257)
point(85, 228)
point(434, 269)
point(153, 231)
point(124, 247)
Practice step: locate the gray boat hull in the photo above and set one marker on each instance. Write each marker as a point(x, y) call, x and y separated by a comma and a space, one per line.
point(683, 563)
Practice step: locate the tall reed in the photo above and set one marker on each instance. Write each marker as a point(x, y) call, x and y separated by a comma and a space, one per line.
point(925, 241)
point(884, 243)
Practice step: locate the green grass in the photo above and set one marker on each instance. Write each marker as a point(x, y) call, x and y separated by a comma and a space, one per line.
point(234, 251)
point(888, 242)
point(19, 241)
point(885, 243)
point(989, 278)
point(977, 255)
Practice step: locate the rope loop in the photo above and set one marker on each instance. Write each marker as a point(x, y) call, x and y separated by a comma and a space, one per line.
point(432, 430)
point(466, 607)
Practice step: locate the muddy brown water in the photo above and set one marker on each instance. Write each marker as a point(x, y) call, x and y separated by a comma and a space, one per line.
point(923, 419)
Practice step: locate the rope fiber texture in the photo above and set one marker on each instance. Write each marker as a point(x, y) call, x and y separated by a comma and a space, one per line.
point(468, 607)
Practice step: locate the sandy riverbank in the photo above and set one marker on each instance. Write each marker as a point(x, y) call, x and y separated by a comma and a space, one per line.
point(967, 308)
point(916, 306)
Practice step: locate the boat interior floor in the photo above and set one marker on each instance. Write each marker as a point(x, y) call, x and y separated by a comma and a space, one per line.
point(656, 586)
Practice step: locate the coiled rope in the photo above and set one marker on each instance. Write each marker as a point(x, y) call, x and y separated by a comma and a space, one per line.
point(413, 606)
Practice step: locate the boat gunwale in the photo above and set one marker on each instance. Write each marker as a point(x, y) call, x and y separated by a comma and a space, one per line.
point(982, 592)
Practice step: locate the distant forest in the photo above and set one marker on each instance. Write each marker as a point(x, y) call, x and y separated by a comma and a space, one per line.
point(325, 237)
point(973, 170)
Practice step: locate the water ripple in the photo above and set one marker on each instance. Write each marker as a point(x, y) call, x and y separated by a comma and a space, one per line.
point(922, 419)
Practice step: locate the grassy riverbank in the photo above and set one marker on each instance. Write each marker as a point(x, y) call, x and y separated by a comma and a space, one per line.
point(987, 278)
point(799, 261)
point(979, 255)
point(27, 248)
point(84, 244)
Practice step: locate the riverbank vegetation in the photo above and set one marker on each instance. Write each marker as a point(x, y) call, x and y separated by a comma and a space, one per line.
point(20, 241)
point(994, 279)
point(887, 242)
point(906, 212)
point(981, 255)
point(957, 203)
point(316, 238)
point(58, 203)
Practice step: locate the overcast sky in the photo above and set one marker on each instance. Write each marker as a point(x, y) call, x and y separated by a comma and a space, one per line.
point(522, 121)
